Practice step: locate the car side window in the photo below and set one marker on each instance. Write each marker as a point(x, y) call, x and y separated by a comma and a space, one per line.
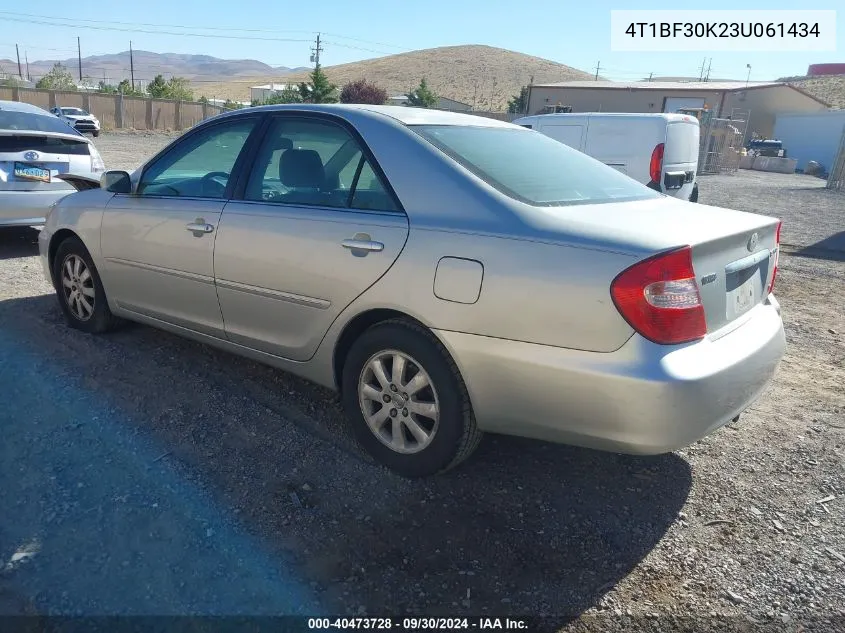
point(201, 165)
point(309, 162)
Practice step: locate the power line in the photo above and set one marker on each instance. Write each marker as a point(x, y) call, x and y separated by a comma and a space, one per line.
point(136, 30)
point(74, 21)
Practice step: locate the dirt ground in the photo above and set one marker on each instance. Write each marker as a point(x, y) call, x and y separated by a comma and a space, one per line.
point(141, 473)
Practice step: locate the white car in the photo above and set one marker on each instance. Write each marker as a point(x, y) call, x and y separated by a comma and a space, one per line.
point(78, 119)
point(35, 149)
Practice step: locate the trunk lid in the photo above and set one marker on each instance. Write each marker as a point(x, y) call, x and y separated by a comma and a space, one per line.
point(733, 252)
point(31, 161)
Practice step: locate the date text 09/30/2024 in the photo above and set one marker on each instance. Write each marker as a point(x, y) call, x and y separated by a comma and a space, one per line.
point(419, 624)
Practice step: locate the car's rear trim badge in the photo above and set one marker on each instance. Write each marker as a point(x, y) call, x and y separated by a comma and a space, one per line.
point(708, 279)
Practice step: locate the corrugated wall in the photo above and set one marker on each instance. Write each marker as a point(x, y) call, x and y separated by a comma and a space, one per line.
point(811, 136)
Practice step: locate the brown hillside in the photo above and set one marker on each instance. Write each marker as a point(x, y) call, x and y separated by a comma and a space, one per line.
point(829, 88)
point(465, 73)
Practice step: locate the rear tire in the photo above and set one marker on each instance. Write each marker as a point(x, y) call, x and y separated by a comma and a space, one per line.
point(694, 195)
point(426, 426)
point(80, 292)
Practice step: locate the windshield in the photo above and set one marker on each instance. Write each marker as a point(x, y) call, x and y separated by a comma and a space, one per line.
point(74, 111)
point(531, 167)
point(16, 120)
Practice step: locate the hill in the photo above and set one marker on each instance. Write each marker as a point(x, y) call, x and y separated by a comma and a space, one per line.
point(829, 88)
point(470, 74)
point(114, 67)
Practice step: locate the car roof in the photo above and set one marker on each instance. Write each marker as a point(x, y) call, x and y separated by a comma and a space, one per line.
point(403, 114)
point(17, 106)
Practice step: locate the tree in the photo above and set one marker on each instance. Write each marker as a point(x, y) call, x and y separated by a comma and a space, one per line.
point(177, 88)
point(59, 78)
point(231, 105)
point(519, 103)
point(362, 91)
point(288, 95)
point(10, 82)
point(422, 97)
point(125, 88)
point(319, 90)
point(157, 88)
point(105, 88)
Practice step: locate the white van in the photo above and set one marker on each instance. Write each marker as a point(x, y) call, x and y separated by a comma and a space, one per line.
point(658, 150)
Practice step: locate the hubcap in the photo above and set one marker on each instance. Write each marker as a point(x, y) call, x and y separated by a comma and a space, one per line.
point(78, 287)
point(398, 401)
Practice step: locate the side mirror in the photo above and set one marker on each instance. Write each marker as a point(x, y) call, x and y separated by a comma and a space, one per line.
point(116, 182)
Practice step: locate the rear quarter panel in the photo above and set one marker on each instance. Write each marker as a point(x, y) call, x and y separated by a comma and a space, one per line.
point(531, 291)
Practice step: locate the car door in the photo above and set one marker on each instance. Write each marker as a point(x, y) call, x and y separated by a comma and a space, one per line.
point(158, 242)
point(316, 227)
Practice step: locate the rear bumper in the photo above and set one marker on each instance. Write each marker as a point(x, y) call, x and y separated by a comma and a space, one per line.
point(641, 399)
point(26, 208)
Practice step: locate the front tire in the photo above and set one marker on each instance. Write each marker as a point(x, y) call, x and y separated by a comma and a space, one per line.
point(406, 402)
point(79, 289)
point(95, 133)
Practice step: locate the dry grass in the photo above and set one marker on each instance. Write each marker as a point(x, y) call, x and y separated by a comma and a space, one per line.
point(829, 88)
point(466, 73)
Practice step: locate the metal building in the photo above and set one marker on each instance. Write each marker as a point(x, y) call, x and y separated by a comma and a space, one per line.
point(811, 136)
point(763, 100)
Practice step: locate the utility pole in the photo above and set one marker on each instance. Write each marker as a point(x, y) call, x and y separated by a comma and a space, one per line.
point(26, 59)
point(20, 72)
point(701, 70)
point(131, 66)
point(748, 77)
point(709, 64)
point(650, 75)
point(315, 53)
point(79, 57)
point(598, 67)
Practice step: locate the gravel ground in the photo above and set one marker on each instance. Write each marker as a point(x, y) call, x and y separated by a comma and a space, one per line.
point(143, 473)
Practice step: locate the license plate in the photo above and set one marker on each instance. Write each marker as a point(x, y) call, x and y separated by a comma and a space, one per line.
point(744, 297)
point(31, 172)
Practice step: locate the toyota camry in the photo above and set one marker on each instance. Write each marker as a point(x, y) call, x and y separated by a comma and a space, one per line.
point(447, 274)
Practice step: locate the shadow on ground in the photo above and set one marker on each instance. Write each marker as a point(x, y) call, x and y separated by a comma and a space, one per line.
point(831, 248)
point(523, 528)
point(18, 242)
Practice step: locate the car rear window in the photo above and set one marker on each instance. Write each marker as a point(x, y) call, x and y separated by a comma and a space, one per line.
point(48, 144)
point(17, 120)
point(531, 167)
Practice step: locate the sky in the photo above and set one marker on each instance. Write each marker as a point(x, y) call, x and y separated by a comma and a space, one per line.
point(281, 33)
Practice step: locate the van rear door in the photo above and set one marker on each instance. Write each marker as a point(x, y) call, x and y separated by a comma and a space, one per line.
point(680, 158)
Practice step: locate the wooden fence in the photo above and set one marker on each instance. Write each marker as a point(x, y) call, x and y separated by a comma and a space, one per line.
point(118, 111)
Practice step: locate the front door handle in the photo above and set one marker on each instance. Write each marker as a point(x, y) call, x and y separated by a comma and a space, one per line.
point(199, 226)
point(358, 244)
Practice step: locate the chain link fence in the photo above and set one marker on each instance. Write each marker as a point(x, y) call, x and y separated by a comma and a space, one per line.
point(721, 142)
point(836, 179)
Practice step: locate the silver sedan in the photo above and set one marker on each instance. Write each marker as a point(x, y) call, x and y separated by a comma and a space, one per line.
point(35, 148)
point(445, 273)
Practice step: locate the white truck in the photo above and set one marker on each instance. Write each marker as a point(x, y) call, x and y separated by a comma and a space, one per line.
point(658, 150)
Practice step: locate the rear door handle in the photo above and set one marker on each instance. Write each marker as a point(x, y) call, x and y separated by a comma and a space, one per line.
point(199, 227)
point(362, 245)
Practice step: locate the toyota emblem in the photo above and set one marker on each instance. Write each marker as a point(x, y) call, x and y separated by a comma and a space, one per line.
point(752, 242)
point(31, 156)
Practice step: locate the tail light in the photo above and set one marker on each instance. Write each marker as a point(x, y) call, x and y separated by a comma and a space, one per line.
point(776, 257)
point(659, 298)
point(655, 167)
point(97, 164)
